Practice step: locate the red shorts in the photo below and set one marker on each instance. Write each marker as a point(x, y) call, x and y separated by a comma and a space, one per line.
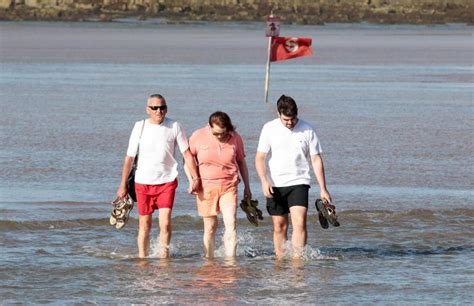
point(151, 197)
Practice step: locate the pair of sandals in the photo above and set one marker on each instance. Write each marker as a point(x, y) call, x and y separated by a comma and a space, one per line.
point(250, 208)
point(121, 208)
point(326, 213)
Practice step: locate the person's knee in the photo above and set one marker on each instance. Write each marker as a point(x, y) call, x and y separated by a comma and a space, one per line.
point(210, 229)
point(280, 228)
point(229, 215)
point(145, 226)
point(165, 226)
point(301, 227)
point(230, 233)
point(230, 225)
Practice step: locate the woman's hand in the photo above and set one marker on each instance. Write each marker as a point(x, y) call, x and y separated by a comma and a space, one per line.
point(194, 185)
point(247, 194)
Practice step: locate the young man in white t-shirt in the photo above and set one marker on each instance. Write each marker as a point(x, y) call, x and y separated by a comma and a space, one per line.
point(293, 145)
point(155, 140)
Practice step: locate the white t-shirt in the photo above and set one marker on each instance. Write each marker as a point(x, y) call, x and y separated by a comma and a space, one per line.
point(290, 151)
point(156, 161)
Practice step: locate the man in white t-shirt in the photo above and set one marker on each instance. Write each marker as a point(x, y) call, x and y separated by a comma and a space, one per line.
point(155, 140)
point(293, 145)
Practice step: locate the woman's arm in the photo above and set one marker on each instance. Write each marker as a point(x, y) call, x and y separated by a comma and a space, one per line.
point(244, 173)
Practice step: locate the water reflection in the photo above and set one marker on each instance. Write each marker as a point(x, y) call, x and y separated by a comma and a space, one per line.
point(168, 281)
point(293, 271)
point(219, 278)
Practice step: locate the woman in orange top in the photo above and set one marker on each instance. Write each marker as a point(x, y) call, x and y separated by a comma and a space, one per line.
point(219, 153)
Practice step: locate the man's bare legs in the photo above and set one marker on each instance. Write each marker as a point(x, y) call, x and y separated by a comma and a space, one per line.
point(299, 235)
point(144, 229)
point(143, 239)
point(164, 218)
point(280, 232)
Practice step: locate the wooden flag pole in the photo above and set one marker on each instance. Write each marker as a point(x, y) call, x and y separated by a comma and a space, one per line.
point(267, 74)
point(272, 30)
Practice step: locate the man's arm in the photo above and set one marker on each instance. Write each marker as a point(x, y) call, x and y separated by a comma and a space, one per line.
point(318, 168)
point(260, 158)
point(127, 166)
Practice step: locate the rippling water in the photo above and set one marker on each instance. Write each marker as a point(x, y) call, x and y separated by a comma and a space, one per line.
point(393, 106)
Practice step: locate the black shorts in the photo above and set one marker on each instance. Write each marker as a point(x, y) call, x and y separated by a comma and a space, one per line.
point(286, 197)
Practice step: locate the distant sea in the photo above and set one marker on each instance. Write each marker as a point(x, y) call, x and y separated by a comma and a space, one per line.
point(392, 105)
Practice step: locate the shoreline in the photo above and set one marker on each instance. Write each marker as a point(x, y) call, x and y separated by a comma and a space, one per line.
point(318, 13)
point(165, 19)
point(161, 21)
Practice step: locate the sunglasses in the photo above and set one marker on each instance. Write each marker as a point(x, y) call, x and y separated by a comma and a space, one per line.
point(158, 107)
point(219, 134)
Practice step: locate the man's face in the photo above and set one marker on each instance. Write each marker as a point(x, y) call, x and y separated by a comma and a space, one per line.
point(156, 109)
point(287, 121)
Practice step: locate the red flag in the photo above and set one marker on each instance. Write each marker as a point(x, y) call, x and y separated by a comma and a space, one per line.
point(284, 48)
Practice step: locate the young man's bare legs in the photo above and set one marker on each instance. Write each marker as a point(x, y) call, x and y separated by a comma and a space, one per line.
point(229, 211)
point(299, 235)
point(280, 232)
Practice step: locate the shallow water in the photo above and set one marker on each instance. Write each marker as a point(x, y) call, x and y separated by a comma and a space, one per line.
point(393, 107)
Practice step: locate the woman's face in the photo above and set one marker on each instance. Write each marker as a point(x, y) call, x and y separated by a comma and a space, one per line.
point(220, 133)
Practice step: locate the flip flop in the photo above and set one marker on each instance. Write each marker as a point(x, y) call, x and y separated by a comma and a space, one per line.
point(322, 221)
point(118, 216)
point(253, 213)
point(121, 208)
point(326, 211)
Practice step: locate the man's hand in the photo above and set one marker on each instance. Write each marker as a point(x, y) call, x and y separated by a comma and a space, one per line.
point(267, 189)
point(326, 196)
point(122, 191)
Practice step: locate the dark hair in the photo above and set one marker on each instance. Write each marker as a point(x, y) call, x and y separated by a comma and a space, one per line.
point(287, 106)
point(222, 120)
point(158, 96)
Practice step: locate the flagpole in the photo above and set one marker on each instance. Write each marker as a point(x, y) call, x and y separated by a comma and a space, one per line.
point(272, 30)
point(267, 74)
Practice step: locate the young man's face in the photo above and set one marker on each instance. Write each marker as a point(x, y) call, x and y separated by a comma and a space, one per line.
point(287, 121)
